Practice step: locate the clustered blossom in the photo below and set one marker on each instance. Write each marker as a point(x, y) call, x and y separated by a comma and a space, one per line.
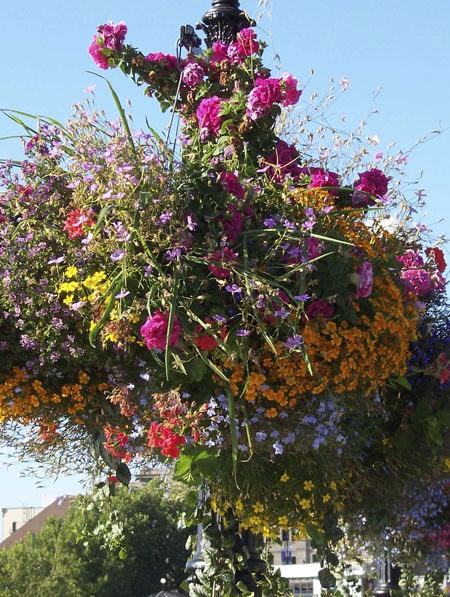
point(269, 91)
point(155, 330)
point(109, 37)
point(231, 302)
point(162, 436)
point(365, 280)
point(78, 222)
point(167, 62)
point(245, 45)
point(193, 74)
point(373, 185)
point(417, 278)
point(231, 184)
point(208, 116)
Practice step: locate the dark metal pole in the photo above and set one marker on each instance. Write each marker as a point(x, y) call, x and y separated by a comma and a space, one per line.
point(223, 22)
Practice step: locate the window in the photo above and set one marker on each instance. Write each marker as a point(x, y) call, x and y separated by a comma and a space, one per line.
point(303, 588)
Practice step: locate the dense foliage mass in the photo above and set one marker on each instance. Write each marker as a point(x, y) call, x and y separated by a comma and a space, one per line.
point(234, 305)
point(68, 556)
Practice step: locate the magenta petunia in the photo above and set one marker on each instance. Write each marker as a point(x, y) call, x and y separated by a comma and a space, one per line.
point(219, 52)
point(230, 182)
point(319, 309)
point(411, 259)
point(166, 62)
point(365, 280)
point(97, 54)
point(232, 224)
point(193, 74)
point(290, 93)
point(109, 36)
point(322, 178)
point(113, 35)
point(262, 97)
point(154, 331)
point(374, 182)
point(219, 259)
point(283, 162)
point(418, 281)
point(208, 116)
point(244, 46)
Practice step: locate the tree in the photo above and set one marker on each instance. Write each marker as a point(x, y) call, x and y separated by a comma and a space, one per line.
point(71, 556)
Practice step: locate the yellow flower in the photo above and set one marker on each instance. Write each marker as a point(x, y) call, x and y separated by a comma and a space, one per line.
point(71, 272)
point(326, 498)
point(68, 287)
point(447, 464)
point(305, 504)
point(258, 507)
point(94, 281)
point(333, 486)
point(308, 485)
point(283, 521)
point(284, 478)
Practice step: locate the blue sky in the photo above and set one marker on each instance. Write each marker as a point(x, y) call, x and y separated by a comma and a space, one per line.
point(401, 46)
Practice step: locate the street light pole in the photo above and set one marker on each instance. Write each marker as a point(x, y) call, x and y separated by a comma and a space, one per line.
point(223, 21)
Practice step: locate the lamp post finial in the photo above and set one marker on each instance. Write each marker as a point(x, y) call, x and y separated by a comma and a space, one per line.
point(223, 21)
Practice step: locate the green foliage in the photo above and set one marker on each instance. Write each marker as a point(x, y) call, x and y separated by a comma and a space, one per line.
point(56, 562)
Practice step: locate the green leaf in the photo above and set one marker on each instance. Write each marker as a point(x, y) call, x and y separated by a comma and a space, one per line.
point(121, 111)
point(123, 474)
point(402, 381)
point(327, 578)
point(195, 369)
point(404, 439)
point(123, 554)
point(433, 431)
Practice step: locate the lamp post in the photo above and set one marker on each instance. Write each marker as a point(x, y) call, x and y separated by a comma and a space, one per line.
point(223, 21)
point(388, 579)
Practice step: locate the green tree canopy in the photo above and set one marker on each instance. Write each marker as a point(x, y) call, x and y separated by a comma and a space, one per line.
point(57, 561)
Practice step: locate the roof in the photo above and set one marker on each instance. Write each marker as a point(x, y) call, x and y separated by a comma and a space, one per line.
point(166, 594)
point(58, 509)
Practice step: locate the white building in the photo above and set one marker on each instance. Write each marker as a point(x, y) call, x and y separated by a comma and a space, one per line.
point(14, 518)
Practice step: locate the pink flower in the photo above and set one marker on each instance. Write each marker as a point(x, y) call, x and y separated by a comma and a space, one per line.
point(283, 162)
point(319, 309)
point(321, 178)
point(365, 280)
point(225, 256)
point(154, 331)
point(232, 225)
point(411, 259)
point(208, 116)
point(109, 36)
point(314, 248)
point(230, 182)
point(166, 62)
point(219, 52)
point(97, 55)
point(193, 74)
point(373, 182)
point(290, 93)
point(417, 281)
point(113, 35)
point(245, 44)
point(262, 97)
